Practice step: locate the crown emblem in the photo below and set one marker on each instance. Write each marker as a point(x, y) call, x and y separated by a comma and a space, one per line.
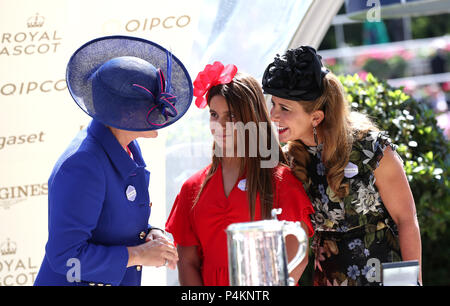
point(35, 21)
point(8, 248)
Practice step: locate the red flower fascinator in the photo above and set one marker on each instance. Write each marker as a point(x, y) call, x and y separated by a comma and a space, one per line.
point(211, 76)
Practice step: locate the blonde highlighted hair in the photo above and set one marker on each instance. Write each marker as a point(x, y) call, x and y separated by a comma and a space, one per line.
point(339, 129)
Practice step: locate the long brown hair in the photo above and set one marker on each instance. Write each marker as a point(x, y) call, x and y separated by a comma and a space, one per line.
point(339, 129)
point(245, 98)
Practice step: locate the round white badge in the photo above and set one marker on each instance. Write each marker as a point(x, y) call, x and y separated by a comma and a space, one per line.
point(131, 193)
point(242, 185)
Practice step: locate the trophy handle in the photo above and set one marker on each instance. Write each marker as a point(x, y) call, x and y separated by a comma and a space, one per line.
point(294, 228)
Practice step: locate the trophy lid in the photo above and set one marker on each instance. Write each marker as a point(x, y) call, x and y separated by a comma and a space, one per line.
point(264, 225)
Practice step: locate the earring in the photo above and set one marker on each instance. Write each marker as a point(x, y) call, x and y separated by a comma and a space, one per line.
point(315, 136)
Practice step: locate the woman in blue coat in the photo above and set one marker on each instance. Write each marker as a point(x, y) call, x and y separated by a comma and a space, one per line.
point(99, 205)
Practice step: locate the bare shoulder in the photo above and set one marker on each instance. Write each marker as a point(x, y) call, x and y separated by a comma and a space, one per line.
point(390, 164)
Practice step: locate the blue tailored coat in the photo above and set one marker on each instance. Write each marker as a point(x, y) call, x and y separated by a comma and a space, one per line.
point(98, 204)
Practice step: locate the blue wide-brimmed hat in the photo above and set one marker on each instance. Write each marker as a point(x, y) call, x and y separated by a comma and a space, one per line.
point(129, 83)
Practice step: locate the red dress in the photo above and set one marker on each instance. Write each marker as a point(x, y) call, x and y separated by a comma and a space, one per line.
point(204, 225)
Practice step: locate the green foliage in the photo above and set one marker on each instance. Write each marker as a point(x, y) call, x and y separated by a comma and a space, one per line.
point(398, 66)
point(447, 55)
point(425, 152)
point(421, 143)
point(378, 67)
point(430, 26)
point(394, 67)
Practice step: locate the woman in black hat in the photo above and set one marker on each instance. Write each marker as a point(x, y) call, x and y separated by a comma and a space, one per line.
point(99, 205)
point(364, 210)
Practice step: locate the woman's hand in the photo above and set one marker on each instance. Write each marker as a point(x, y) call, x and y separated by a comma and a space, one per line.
point(155, 234)
point(155, 252)
point(159, 234)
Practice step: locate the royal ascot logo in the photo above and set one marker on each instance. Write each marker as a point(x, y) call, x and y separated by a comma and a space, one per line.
point(36, 21)
point(33, 41)
point(13, 195)
point(15, 271)
point(8, 248)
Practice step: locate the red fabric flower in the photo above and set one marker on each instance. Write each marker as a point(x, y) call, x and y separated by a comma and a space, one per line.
point(211, 76)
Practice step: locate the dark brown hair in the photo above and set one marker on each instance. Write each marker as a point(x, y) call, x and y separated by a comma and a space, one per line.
point(245, 99)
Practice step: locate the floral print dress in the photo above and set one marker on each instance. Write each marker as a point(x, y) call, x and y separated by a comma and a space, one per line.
point(353, 235)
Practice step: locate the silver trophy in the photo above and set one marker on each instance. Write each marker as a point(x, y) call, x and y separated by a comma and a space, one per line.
point(257, 252)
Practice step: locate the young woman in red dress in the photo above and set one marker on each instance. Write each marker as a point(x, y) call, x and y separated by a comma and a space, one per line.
point(232, 189)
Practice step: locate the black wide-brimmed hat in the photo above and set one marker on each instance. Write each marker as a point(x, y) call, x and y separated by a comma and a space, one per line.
point(129, 83)
point(297, 75)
